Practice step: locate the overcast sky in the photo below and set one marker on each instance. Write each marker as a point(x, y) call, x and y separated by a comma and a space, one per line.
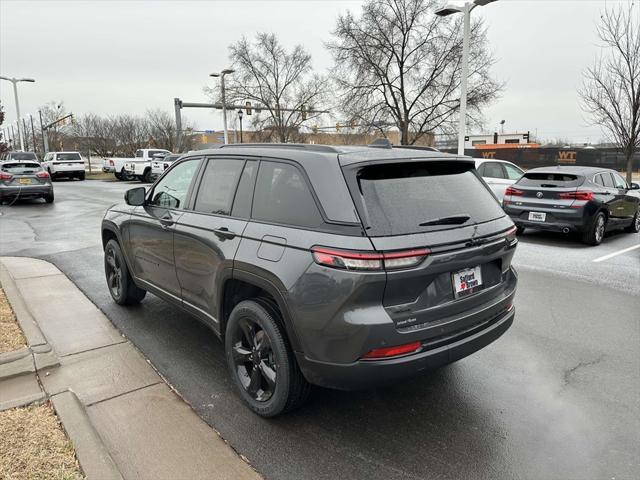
point(129, 56)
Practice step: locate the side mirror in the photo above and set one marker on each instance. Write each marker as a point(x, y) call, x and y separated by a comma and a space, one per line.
point(135, 197)
point(635, 186)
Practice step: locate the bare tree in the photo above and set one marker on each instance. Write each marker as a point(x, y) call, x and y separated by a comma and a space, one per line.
point(4, 147)
point(400, 65)
point(269, 75)
point(50, 112)
point(611, 89)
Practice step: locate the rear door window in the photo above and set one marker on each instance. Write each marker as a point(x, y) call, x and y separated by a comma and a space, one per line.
point(550, 180)
point(218, 186)
point(608, 181)
point(493, 170)
point(405, 198)
point(619, 181)
point(282, 196)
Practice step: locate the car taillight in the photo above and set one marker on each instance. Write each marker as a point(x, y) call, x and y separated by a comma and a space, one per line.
point(111, 163)
point(578, 195)
point(42, 175)
point(513, 191)
point(368, 261)
point(388, 352)
point(5, 176)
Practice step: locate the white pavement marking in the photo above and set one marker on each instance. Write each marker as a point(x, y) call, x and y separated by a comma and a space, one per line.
point(615, 254)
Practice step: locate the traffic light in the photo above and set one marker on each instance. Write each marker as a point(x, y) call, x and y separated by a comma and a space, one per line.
point(247, 107)
point(303, 111)
point(314, 129)
point(352, 124)
point(338, 126)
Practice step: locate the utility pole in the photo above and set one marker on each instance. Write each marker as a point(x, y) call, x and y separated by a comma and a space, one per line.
point(33, 134)
point(26, 133)
point(177, 104)
point(224, 72)
point(43, 131)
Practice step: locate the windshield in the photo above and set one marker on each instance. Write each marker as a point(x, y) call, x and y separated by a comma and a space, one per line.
point(21, 167)
point(23, 156)
point(68, 156)
point(415, 197)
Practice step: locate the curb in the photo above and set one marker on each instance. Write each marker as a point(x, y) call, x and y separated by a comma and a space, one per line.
point(90, 451)
point(38, 354)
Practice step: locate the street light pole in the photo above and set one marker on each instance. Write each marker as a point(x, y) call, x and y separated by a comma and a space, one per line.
point(240, 116)
point(224, 72)
point(464, 80)
point(44, 133)
point(33, 134)
point(15, 95)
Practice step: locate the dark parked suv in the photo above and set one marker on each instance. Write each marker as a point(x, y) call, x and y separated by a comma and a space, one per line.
point(346, 267)
point(586, 200)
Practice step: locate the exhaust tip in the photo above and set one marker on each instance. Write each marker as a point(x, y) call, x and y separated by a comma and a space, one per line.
point(565, 230)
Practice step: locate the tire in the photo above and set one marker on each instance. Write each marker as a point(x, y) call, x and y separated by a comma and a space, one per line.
point(519, 230)
point(121, 286)
point(125, 176)
point(146, 176)
point(82, 176)
point(50, 174)
point(635, 223)
point(260, 360)
point(595, 232)
point(49, 198)
point(118, 175)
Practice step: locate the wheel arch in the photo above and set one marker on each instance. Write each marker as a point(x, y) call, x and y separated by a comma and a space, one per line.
point(244, 286)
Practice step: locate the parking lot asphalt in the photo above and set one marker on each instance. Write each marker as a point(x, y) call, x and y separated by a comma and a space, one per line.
point(558, 396)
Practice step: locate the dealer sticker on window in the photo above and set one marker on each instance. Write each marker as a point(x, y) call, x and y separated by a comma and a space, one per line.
point(466, 282)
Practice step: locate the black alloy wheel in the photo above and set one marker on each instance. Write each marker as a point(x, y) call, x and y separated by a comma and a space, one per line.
point(254, 360)
point(261, 361)
point(122, 288)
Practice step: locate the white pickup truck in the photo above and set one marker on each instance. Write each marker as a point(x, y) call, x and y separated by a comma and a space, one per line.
point(140, 166)
point(118, 165)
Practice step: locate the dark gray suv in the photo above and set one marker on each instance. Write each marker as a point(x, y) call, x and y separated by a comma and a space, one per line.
point(345, 267)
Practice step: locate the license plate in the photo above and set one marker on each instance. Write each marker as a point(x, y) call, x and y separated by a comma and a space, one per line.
point(25, 181)
point(466, 282)
point(537, 216)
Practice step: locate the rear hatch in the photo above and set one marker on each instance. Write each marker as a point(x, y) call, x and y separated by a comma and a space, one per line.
point(68, 159)
point(20, 174)
point(444, 207)
point(544, 192)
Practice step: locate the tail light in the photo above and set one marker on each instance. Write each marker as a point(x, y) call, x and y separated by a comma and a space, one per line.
point(513, 191)
point(5, 176)
point(583, 195)
point(388, 352)
point(111, 163)
point(368, 261)
point(42, 175)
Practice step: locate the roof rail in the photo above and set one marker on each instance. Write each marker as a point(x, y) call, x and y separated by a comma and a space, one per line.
point(294, 146)
point(418, 147)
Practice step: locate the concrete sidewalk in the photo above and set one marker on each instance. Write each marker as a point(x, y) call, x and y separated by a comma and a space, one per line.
point(123, 419)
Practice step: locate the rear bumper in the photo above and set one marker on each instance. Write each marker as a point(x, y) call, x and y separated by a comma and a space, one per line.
point(108, 169)
point(367, 374)
point(67, 168)
point(27, 191)
point(575, 220)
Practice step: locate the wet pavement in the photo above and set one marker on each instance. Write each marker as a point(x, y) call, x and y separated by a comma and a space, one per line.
point(558, 396)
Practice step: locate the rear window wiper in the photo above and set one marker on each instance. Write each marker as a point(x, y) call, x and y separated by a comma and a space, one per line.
point(452, 220)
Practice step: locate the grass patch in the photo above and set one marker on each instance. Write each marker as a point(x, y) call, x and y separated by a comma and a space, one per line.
point(33, 445)
point(11, 337)
point(99, 175)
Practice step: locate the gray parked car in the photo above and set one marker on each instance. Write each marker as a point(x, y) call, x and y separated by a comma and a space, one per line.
point(24, 179)
point(345, 267)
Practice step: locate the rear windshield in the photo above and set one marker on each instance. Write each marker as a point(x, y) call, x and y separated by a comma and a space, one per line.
point(68, 156)
point(24, 156)
point(550, 180)
point(404, 198)
point(21, 167)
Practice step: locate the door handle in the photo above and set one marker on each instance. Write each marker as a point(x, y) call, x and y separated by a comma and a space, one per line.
point(167, 220)
point(224, 232)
